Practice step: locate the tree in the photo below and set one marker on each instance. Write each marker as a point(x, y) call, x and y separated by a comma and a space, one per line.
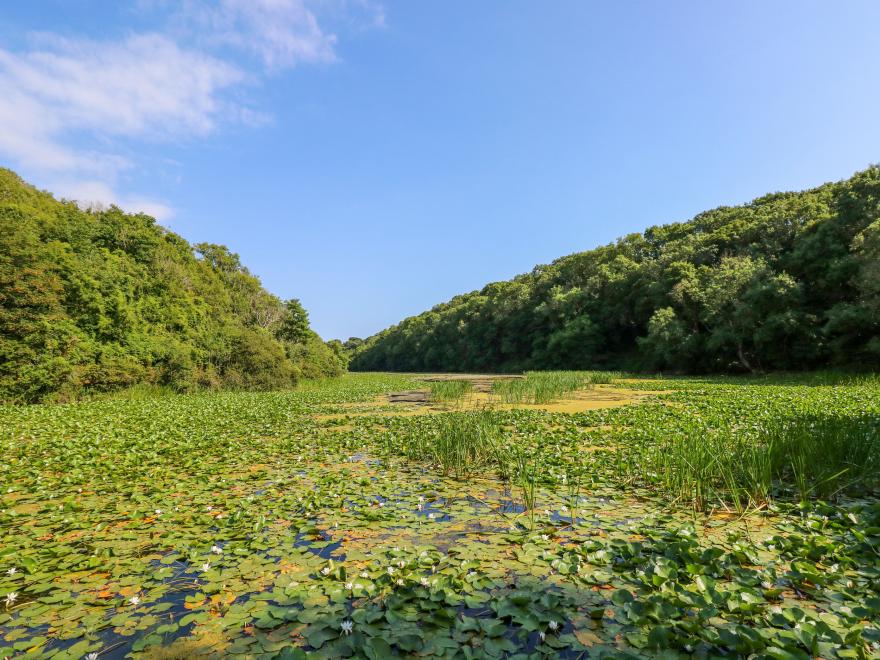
point(98, 300)
point(294, 326)
point(787, 281)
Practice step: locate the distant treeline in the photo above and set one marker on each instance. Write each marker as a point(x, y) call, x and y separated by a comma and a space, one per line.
point(99, 300)
point(790, 281)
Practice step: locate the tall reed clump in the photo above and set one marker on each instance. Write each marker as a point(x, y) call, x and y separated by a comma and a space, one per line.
point(807, 457)
point(450, 390)
point(463, 443)
point(547, 386)
point(822, 456)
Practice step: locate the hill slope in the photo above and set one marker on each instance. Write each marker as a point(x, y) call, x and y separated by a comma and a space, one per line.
point(101, 300)
point(788, 281)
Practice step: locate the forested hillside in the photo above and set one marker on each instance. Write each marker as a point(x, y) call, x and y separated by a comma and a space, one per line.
point(98, 300)
point(788, 281)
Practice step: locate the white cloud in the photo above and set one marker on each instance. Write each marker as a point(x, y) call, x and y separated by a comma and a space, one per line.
point(65, 92)
point(281, 33)
point(143, 86)
point(66, 105)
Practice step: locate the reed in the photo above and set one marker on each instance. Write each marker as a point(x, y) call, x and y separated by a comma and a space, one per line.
point(450, 390)
point(548, 386)
point(801, 457)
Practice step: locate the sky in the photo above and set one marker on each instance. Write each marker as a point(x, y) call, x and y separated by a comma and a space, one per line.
point(374, 158)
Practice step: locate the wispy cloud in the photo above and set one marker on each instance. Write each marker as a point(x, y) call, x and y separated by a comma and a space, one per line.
point(143, 86)
point(281, 33)
point(67, 103)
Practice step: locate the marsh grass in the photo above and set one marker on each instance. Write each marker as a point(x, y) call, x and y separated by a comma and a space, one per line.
point(450, 390)
point(548, 386)
point(464, 444)
point(526, 470)
point(803, 457)
point(825, 456)
point(461, 444)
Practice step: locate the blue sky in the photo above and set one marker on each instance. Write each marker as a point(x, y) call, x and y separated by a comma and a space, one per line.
point(376, 158)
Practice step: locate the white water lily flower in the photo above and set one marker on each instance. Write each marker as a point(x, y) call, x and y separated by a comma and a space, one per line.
point(158, 512)
point(431, 516)
point(216, 549)
point(391, 570)
point(11, 597)
point(364, 574)
point(347, 626)
point(553, 625)
point(349, 586)
point(835, 568)
point(401, 563)
point(421, 499)
point(209, 508)
point(134, 600)
point(206, 566)
point(326, 570)
point(400, 582)
point(419, 506)
point(12, 571)
point(92, 656)
point(424, 582)
point(542, 635)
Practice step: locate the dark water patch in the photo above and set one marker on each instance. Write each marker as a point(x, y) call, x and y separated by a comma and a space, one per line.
point(510, 506)
point(324, 549)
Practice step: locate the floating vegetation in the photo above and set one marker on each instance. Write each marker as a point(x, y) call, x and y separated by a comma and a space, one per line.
point(717, 519)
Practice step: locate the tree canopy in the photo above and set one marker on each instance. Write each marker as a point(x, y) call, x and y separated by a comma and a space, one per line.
point(98, 300)
point(788, 281)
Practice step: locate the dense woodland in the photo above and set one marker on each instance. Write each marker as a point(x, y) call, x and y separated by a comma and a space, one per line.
point(789, 281)
point(99, 300)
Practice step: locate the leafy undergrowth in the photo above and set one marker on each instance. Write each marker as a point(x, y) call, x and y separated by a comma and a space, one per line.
point(252, 524)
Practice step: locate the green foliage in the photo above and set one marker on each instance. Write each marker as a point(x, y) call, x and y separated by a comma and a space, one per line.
point(98, 301)
point(294, 327)
point(788, 281)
